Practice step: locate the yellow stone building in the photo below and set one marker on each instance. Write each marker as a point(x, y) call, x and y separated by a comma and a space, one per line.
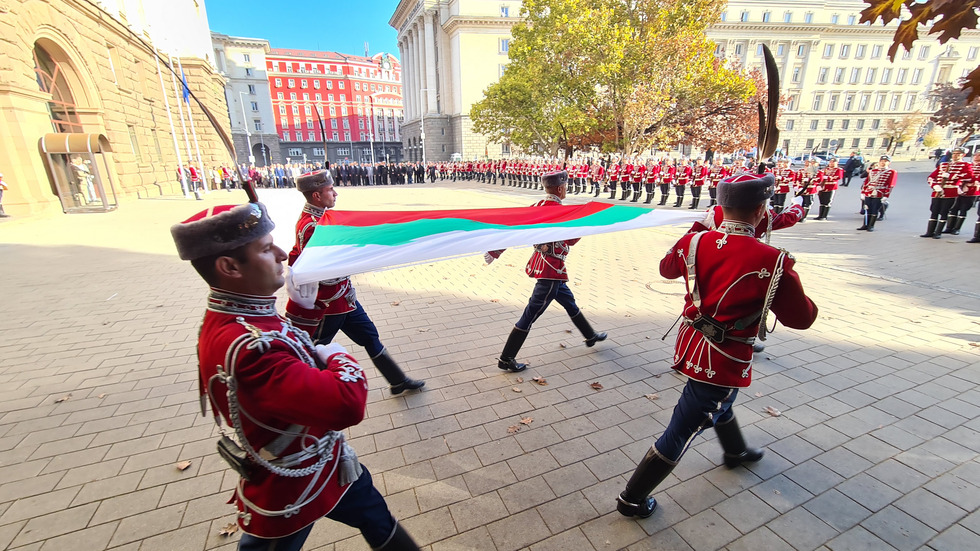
point(85, 102)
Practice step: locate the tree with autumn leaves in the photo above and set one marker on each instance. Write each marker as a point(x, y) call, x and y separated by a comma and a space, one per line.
point(623, 76)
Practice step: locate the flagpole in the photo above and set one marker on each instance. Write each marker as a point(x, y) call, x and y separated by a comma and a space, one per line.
point(170, 118)
point(202, 170)
point(180, 110)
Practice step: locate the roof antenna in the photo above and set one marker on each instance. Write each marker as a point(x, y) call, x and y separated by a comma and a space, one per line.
point(366, 49)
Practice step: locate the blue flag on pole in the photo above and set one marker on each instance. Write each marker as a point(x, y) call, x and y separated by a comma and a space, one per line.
point(187, 91)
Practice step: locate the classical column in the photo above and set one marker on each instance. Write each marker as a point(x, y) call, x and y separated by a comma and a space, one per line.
point(430, 64)
point(408, 71)
point(418, 67)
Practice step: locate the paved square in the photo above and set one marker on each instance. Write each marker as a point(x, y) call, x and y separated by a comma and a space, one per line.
point(877, 445)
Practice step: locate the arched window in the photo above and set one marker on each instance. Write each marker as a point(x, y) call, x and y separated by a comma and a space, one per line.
point(51, 79)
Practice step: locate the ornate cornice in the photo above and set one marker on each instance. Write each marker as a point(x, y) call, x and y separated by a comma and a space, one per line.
point(456, 22)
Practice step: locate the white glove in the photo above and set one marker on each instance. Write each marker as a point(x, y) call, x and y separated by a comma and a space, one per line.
point(304, 295)
point(937, 188)
point(798, 200)
point(325, 351)
point(709, 219)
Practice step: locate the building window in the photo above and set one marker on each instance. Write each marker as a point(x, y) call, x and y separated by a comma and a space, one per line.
point(719, 52)
point(859, 51)
point(766, 16)
point(814, 124)
point(971, 53)
point(329, 85)
point(279, 95)
point(745, 17)
point(851, 19)
point(895, 99)
point(333, 111)
point(291, 83)
point(306, 97)
point(822, 75)
point(289, 67)
point(318, 97)
point(845, 50)
point(504, 45)
point(855, 75)
point(880, 101)
point(758, 50)
point(907, 54)
point(789, 124)
point(865, 99)
point(875, 124)
point(910, 102)
point(738, 49)
point(246, 58)
point(296, 109)
point(809, 143)
point(876, 51)
point(258, 125)
point(832, 104)
point(902, 73)
point(282, 109)
point(808, 17)
point(817, 100)
point(278, 83)
point(295, 152)
point(340, 84)
point(343, 151)
point(825, 143)
point(916, 76)
point(830, 124)
point(357, 86)
point(310, 136)
point(292, 96)
point(780, 50)
point(134, 143)
point(788, 17)
point(336, 137)
point(724, 16)
point(504, 11)
point(855, 143)
point(251, 89)
point(791, 104)
point(828, 50)
point(303, 83)
point(886, 75)
point(860, 124)
point(797, 73)
point(870, 78)
point(870, 143)
point(333, 123)
point(318, 152)
point(254, 105)
point(248, 71)
point(284, 122)
point(839, 75)
point(309, 124)
point(834, 19)
point(346, 136)
point(316, 84)
point(923, 52)
point(801, 50)
point(848, 102)
point(845, 124)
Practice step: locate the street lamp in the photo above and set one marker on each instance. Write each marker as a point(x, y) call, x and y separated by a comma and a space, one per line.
point(422, 114)
point(248, 135)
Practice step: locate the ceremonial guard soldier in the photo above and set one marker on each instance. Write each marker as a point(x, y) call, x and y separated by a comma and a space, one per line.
point(598, 175)
point(733, 280)
point(716, 173)
point(808, 184)
point(969, 189)
point(877, 187)
point(547, 266)
point(331, 305)
point(975, 189)
point(613, 179)
point(947, 183)
point(830, 178)
point(667, 174)
point(653, 174)
point(285, 401)
point(625, 179)
point(700, 175)
point(681, 179)
point(639, 173)
point(785, 178)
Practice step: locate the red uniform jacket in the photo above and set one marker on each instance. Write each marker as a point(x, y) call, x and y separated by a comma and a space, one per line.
point(614, 173)
point(949, 179)
point(830, 178)
point(668, 174)
point(716, 174)
point(335, 296)
point(548, 260)
point(809, 183)
point(279, 388)
point(653, 173)
point(784, 179)
point(879, 183)
point(683, 174)
point(786, 219)
point(638, 173)
point(729, 297)
point(700, 175)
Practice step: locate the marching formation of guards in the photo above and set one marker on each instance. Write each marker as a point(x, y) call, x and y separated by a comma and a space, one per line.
point(955, 187)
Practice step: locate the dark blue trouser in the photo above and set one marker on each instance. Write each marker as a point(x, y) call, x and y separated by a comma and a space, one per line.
point(356, 324)
point(545, 291)
point(700, 406)
point(362, 507)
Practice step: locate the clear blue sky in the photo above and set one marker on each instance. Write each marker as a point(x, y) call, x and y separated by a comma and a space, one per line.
point(329, 25)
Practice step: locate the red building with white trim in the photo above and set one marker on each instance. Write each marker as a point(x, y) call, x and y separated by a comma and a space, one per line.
point(358, 99)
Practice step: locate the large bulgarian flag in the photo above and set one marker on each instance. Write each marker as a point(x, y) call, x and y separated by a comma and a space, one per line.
point(352, 242)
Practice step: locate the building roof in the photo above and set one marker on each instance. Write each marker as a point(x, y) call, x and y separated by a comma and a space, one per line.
point(331, 56)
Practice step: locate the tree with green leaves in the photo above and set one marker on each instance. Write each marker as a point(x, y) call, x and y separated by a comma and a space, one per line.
point(622, 75)
point(901, 130)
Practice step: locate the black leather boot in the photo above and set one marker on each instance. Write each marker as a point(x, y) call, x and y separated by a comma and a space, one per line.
point(663, 200)
point(394, 375)
point(731, 440)
point(679, 201)
point(591, 337)
point(400, 540)
point(864, 225)
point(958, 224)
point(939, 230)
point(871, 221)
point(649, 198)
point(596, 190)
point(612, 192)
point(635, 501)
point(507, 360)
point(694, 203)
point(976, 233)
point(624, 194)
point(931, 229)
point(950, 223)
point(636, 196)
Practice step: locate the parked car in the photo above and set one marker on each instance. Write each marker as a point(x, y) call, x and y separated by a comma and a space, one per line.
point(799, 161)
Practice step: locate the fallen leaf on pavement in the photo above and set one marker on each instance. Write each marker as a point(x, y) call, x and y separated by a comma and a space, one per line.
point(568, 330)
point(561, 344)
point(495, 300)
point(596, 385)
point(228, 530)
point(540, 381)
point(520, 379)
point(515, 389)
point(975, 344)
point(101, 396)
point(773, 411)
point(777, 492)
point(183, 465)
point(513, 428)
point(63, 398)
point(758, 395)
point(653, 396)
point(396, 303)
point(527, 420)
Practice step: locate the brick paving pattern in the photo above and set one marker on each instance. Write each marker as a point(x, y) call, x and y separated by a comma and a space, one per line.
point(876, 448)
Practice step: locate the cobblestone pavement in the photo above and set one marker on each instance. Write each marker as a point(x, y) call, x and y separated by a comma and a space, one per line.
point(876, 448)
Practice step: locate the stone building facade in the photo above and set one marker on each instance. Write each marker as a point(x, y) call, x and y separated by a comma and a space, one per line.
point(78, 67)
point(253, 126)
point(451, 50)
